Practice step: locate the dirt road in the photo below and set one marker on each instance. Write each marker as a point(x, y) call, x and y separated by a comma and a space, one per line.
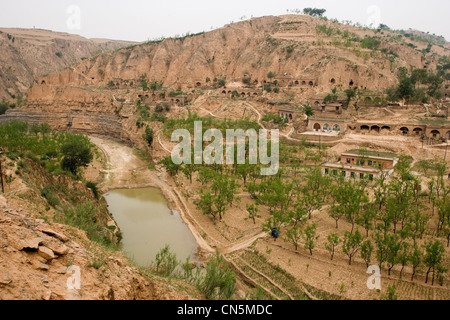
point(124, 169)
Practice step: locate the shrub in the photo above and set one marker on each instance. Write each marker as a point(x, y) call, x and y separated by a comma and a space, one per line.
point(4, 105)
point(235, 94)
point(50, 196)
point(158, 117)
point(85, 217)
point(93, 187)
point(271, 75)
point(148, 135)
point(178, 92)
point(290, 49)
point(370, 43)
point(221, 82)
point(166, 261)
point(219, 282)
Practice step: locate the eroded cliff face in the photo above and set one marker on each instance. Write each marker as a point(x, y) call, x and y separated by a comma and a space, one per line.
point(306, 56)
point(291, 45)
point(27, 54)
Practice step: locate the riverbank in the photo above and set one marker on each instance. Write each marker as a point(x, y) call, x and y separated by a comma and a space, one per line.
point(121, 168)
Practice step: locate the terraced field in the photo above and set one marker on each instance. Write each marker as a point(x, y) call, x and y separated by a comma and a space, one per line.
point(273, 280)
point(413, 291)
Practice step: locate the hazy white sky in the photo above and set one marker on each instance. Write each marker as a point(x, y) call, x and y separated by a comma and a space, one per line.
point(141, 20)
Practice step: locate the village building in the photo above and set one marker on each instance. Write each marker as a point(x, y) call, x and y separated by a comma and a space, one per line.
point(289, 115)
point(362, 164)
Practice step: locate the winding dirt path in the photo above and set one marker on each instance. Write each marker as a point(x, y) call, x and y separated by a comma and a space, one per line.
point(158, 136)
point(124, 169)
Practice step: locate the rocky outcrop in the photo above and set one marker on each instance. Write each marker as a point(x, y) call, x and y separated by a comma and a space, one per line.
point(35, 260)
point(34, 264)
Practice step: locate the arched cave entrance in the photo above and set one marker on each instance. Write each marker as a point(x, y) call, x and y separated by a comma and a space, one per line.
point(417, 131)
point(336, 128)
point(404, 130)
point(435, 134)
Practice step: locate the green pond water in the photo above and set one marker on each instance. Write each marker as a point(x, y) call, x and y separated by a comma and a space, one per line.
point(147, 225)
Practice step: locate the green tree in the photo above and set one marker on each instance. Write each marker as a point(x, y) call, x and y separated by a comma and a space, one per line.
point(381, 252)
point(366, 218)
point(308, 110)
point(441, 271)
point(310, 201)
point(349, 198)
point(416, 260)
point(76, 154)
point(252, 211)
point(315, 12)
point(333, 242)
point(225, 189)
point(434, 251)
point(350, 93)
point(188, 170)
point(144, 83)
point(366, 251)
point(404, 256)
point(310, 237)
point(419, 76)
point(205, 204)
point(148, 135)
point(393, 245)
point(405, 89)
point(277, 194)
point(220, 195)
point(293, 235)
point(171, 168)
point(351, 244)
point(435, 84)
point(298, 214)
